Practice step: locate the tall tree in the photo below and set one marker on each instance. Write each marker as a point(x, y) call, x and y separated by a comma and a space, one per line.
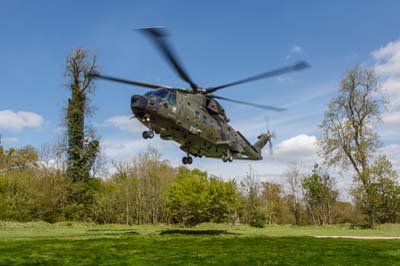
point(348, 137)
point(83, 146)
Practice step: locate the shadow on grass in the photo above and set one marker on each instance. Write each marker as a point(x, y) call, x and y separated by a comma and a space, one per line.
point(113, 231)
point(196, 232)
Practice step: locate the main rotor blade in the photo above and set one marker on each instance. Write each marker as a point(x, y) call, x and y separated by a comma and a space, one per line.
point(280, 71)
point(158, 36)
point(267, 107)
point(132, 82)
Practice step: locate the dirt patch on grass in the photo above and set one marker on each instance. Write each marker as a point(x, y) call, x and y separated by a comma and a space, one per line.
point(364, 237)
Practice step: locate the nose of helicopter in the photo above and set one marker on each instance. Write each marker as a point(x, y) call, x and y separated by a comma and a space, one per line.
point(138, 105)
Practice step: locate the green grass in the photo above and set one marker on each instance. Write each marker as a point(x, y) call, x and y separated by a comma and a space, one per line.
point(87, 244)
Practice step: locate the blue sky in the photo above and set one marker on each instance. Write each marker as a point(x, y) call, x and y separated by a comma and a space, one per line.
point(218, 42)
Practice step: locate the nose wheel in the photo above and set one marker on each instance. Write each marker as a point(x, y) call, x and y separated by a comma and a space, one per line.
point(187, 160)
point(148, 134)
point(227, 158)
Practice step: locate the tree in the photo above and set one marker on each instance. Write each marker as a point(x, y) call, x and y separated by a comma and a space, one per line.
point(18, 197)
point(320, 196)
point(273, 202)
point(187, 198)
point(109, 206)
point(2, 157)
point(51, 191)
point(383, 191)
point(123, 179)
point(83, 146)
point(194, 197)
point(24, 157)
point(258, 217)
point(251, 209)
point(294, 179)
point(53, 156)
point(348, 137)
point(136, 193)
point(153, 176)
point(18, 158)
point(224, 200)
point(347, 212)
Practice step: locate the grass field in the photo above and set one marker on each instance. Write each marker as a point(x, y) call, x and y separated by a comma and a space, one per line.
point(40, 243)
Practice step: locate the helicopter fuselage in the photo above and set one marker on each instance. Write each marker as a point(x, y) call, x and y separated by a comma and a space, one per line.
point(197, 122)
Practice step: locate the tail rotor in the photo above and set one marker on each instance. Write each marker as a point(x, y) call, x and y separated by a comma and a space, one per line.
point(270, 135)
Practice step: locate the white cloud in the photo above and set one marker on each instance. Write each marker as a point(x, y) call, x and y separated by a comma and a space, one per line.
point(391, 89)
point(296, 49)
point(122, 148)
point(388, 67)
point(299, 148)
point(391, 118)
point(388, 59)
point(17, 121)
point(127, 148)
point(125, 123)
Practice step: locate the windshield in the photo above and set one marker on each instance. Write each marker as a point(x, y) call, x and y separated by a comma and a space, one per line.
point(159, 93)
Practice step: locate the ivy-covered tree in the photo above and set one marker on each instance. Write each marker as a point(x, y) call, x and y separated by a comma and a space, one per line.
point(82, 145)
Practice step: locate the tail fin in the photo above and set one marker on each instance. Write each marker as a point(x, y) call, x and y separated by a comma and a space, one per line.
point(263, 139)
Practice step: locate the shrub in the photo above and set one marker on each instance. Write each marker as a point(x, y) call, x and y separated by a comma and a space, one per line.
point(258, 217)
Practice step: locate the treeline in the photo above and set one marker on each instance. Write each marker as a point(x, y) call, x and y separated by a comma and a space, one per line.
point(149, 190)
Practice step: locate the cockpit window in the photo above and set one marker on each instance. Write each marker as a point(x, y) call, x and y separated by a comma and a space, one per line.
point(172, 98)
point(159, 93)
point(213, 105)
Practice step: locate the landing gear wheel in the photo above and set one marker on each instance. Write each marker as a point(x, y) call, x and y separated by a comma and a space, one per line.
point(148, 134)
point(228, 158)
point(187, 160)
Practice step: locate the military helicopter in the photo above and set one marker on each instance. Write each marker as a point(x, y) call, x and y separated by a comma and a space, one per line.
point(192, 116)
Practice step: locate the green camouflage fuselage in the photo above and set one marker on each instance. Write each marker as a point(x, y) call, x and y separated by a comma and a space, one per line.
point(196, 122)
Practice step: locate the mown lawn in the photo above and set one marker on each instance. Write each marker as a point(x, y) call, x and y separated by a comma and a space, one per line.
point(83, 244)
